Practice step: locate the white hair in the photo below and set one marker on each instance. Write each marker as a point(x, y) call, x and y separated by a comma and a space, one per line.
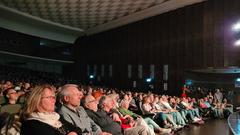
point(64, 91)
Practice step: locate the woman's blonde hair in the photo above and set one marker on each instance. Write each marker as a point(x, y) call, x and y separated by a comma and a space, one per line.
point(34, 98)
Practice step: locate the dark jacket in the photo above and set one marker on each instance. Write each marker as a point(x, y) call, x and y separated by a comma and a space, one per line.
point(35, 127)
point(106, 123)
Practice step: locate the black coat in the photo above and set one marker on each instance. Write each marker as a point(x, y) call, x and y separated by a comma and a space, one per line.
point(106, 123)
point(35, 127)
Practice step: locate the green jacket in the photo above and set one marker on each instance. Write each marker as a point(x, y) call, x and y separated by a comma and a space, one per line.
point(124, 112)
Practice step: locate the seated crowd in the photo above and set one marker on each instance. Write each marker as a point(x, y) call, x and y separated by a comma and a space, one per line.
point(71, 109)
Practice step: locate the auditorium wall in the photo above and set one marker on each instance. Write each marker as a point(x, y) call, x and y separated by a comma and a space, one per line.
point(193, 37)
point(15, 42)
point(20, 50)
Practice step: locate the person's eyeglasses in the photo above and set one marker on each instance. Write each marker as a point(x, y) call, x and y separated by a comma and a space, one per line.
point(12, 93)
point(92, 101)
point(50, 97)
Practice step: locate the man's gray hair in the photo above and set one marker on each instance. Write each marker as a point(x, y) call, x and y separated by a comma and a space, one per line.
point(64, 91)
point(104, 100)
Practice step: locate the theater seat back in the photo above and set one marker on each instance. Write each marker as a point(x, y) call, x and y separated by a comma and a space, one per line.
point(12, 109)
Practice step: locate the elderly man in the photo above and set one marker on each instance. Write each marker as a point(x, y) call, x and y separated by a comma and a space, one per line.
point(102, 117)
point(72, 112)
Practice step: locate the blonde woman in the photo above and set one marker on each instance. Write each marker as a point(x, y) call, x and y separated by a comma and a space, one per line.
point(39, 115)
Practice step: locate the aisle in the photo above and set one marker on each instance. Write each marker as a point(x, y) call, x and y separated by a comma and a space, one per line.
point(211, 127)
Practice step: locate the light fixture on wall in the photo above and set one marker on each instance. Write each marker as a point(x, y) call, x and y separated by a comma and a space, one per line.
point(237, 83)
point(236, 27)
point(148, 80)
point(189, 82)
point(236, 30)
point(237, 42)
point(91, 76)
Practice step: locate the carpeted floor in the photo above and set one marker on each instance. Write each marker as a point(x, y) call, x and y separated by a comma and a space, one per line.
point(211, 127)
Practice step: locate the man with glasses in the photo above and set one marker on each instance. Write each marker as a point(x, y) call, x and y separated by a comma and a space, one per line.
point(104, 121)
point(11, 96)
point(101, 114)
point(11, 105)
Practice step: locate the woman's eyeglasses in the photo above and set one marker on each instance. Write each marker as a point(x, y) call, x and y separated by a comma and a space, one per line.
point(50, 97)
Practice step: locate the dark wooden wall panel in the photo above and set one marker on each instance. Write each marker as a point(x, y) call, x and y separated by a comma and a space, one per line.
point(192, 37)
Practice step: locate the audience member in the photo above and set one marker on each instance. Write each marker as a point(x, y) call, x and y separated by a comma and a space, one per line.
point(39, 116)
point(218, 95)
point(72, 112)
point(100, 117)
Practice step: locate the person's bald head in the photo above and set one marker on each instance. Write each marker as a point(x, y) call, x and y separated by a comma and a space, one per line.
point(90, 102)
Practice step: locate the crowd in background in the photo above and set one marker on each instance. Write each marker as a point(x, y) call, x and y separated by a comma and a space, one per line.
point(69, 109)
point(18, 75)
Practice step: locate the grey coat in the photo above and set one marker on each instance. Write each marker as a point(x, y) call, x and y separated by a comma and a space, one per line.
point(80, 119)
